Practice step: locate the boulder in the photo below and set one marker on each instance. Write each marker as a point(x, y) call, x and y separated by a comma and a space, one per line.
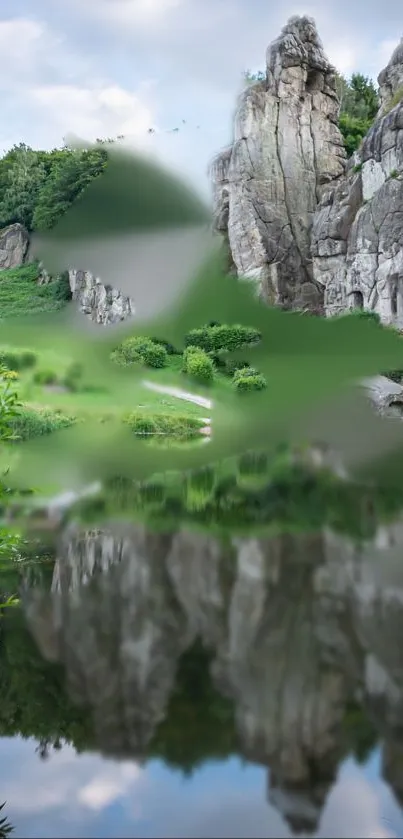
point(14, 241)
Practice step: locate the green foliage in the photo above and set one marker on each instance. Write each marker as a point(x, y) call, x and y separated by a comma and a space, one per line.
point(45, 377)
point(17, 359)
point(359, 104)
point(244, 372)
point(365, 314)
point(20, 293)
point(10, 405)
point(200, 367)
point(141, 351)
point(37, 187)
point(30, 423)
point(6, 828)
point(223, 337)
point(170, 349)
point(165, 425)
point(246, 384)
point(396, 99)
point(394, 173)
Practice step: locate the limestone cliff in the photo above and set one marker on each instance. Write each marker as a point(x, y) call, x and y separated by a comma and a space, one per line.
point(357, 233)
point(286, 146)
point(301, 629)
point(313, 231)
point(100, 303)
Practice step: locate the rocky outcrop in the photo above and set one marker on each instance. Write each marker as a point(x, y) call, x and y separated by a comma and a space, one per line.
point(102, 304)
point(357, 233)
point(14, 242)
point(286, 146)
point(314, 232)
point(301, 629)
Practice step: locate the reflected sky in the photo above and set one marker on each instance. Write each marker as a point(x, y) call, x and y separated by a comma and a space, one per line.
point(72, 795)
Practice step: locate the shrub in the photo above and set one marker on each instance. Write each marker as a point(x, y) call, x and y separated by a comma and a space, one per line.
point(364, 314)
point(222, 337)
point(249, 383)
point(28, 359)
point(45, 377)
point(155, 355)
point(140, 350)
point(200, 366)
point(31, 423)
point(244, 372)
point(165, 425)
point(186, 355)
point(171, 350)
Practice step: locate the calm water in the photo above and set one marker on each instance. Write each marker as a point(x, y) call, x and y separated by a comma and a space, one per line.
point(166, 685)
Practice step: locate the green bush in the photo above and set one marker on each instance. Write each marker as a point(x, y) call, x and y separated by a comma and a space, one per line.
point(163, 425)
point(223, 337)
point(189, 351)
point(364, 314)
point(200, 367)
point(171, 350)
point(31, 423)
point(45, 377)
point(244, 372)
point(17, 359)
point(245, 384)
point(141, 351)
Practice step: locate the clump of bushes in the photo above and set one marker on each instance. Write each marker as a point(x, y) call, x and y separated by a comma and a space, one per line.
point(141, 351)
point(199, 489)
point(365, 314)
point(30, 423)
point(73, 376)
point(181, 427)
point(198, 365)
point(248, 379)
point(223, 337)
point(45, 377)
point(17, 359)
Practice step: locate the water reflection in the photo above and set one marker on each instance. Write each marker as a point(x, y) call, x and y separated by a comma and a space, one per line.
point(266, 671)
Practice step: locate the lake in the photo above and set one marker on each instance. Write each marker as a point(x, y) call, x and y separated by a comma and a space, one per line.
point(179, 683)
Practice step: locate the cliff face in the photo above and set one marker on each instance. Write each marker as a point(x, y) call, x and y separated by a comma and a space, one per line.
point(312, 231)
point(100, 303)
point(300, 627)
point(286, 146)
point(357, 233)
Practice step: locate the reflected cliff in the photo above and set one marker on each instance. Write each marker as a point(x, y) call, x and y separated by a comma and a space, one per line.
point(285, 651)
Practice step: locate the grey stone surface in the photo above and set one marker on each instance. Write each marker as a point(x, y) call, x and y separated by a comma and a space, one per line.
point(14, 241)
point(286, 147)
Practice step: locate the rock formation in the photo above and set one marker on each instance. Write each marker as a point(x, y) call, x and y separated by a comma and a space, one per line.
point(100, 303)
point(14, 242)
point(310, 229)
point(302, 629)
point(286, 146)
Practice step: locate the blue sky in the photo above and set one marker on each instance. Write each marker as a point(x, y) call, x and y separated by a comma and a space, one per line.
point(108, 67)
point(86, 796)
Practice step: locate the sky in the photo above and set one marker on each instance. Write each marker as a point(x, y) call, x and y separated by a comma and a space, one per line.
point(85, 796)
point(103, 68)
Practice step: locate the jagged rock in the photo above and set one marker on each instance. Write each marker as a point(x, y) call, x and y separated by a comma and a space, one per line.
point(286, 147)
point(102, 304)
point(357, 232)
point(390, 79)
point(14, 241)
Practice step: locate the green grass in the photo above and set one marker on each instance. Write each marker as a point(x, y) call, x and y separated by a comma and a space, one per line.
point(20, 295)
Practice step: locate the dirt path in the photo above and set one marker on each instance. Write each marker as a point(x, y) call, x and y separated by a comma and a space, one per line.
point(180, 394)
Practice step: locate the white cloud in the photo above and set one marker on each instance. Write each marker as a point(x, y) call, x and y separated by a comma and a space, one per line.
point(92, 111)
